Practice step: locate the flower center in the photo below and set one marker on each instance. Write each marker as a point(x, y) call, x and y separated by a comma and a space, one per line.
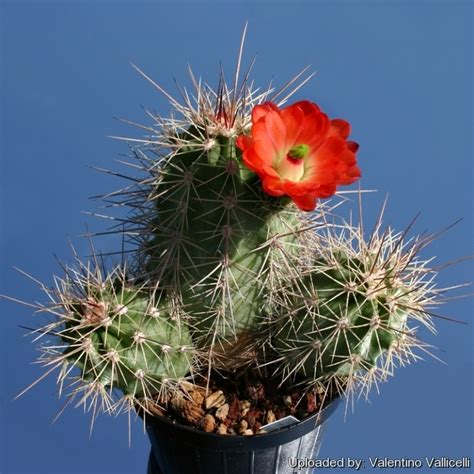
point(292, 165)
point(298, 152)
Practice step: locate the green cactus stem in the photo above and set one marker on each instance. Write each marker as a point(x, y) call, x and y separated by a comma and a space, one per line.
point(205, 231)
point(119, 338)
point(349, 314)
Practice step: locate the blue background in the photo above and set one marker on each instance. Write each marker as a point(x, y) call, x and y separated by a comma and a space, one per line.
point(400, 72)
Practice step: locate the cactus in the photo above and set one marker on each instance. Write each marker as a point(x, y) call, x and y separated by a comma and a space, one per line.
point(208, 235)
point(208, 242)
point(346, 314)
point(118, 336)
point(228, 269)
point(205, 230)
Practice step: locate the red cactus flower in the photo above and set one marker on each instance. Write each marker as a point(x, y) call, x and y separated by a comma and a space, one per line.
point(299, 152)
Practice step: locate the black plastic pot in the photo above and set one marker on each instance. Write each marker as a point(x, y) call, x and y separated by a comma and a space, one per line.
point(179, 449)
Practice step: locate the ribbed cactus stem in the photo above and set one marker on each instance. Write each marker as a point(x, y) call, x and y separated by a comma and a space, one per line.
point(347, 316)
point(209, 235)
point(129, 343)
point(117, 337)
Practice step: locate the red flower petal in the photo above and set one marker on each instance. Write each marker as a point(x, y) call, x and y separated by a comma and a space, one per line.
point(353, 146)
point(276, 129)
point(306, 202)
point(328, 159)
point(340, 127)
point(293, 118)
point(268, 170)
point(244, 142)
point(272, 186)
point(306, 107)
point(252, 160)
point(314, 129)
point(260, 111)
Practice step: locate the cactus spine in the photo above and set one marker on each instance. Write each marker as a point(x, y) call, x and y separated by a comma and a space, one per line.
point(347, 315)
point(208, 234)
point(118, 336)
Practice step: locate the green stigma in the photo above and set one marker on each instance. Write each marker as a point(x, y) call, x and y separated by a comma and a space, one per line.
point(298, 151)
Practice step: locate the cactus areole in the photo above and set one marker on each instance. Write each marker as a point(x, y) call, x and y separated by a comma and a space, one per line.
point(238, 275)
